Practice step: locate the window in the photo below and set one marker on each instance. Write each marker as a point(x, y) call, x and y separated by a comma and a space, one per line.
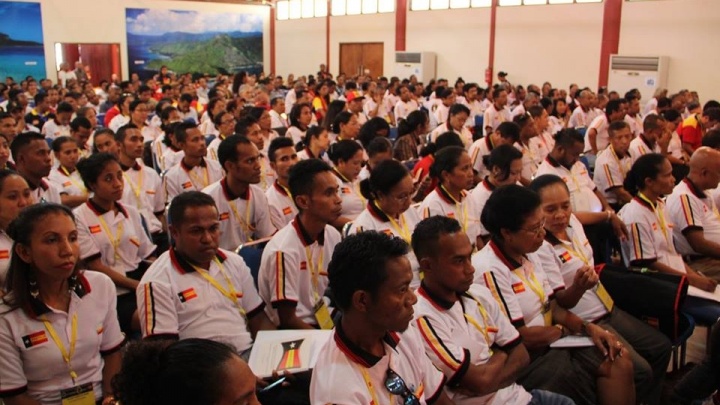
point(292, 9)
point(420, 5)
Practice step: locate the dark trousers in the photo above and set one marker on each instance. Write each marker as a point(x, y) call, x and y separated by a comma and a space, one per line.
point(127, 303)
point(649, 349)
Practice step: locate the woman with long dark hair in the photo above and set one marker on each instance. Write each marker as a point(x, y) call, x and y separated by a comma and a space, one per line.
point(300, 119)
point(410, 131)
point(59, 333)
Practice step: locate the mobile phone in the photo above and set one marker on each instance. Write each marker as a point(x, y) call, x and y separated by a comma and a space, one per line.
point(273, 385)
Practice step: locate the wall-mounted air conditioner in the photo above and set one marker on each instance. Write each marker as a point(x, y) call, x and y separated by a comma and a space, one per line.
point(645, 73)
point(420, 64)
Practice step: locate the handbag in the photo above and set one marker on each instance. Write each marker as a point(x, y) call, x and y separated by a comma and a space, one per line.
point(653, 297)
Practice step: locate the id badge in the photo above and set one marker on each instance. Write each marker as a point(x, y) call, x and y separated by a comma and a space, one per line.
point(79, 395)
point(322, 315)
point(604, 296)
point(547, 314)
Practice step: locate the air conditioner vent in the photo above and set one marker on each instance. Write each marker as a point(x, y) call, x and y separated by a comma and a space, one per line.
point(645, 64)
point(408, 57)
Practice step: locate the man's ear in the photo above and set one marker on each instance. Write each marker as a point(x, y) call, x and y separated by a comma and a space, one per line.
point(302, 201)
point(360, 300)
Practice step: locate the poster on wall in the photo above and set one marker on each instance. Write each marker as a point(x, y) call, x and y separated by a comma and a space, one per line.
point(21, 41)
point(194, 42)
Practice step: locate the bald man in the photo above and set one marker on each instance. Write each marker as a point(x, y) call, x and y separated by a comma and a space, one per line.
point(694, 214)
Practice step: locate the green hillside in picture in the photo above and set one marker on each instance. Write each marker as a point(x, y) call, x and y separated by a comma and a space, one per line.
point(222, 53)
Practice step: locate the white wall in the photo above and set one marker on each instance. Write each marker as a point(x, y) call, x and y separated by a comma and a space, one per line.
point(103, 21)
point(460, 39)
point(299, 46)
point(555, 43)
point(360, 28)
point(685, 30)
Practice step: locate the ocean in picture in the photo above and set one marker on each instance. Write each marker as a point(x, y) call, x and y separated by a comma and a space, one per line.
point(21, 41)
point(193, 42)
point(21, 61)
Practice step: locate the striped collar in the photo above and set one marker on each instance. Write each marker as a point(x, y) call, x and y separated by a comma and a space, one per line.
point(694, 189)
point(183, 265)
point(355, 352)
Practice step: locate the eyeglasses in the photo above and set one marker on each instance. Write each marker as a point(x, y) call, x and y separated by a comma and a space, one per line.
point(396, 385)
point(537, 231)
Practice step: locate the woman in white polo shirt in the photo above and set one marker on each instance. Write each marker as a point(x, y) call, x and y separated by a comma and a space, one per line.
point(65, 177)
point(347, 156)
point(651, 235)
point(113, 239)
point(568, 256)
point(15, 195)
point(316, 144)
point(453, 169)
point(389, 192)
point(59, 334)
point(505, 164)
point(513, 272)
point(300, 119)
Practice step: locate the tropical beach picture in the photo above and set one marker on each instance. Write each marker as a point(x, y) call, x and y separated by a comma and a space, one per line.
point(21, 41)
point(193, 42)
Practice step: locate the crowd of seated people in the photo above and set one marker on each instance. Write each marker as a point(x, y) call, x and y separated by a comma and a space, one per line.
point(449, 236)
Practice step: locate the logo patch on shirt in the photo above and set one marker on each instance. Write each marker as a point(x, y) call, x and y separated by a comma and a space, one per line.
point(4, 254)
point(151, 192)
point(187, 295)
point(346, 190)
point(224, 216)
point(654, 226)
point(565, 257)
point(67, 184)
point(99, 329)
point(303, 265)
point(492, 329)
point(187, 184)
point(135, 241)
point(518, 288)
point(387, 232)
point(95, 229)
point(287, 211)
point(450, 215)
point(34, 339)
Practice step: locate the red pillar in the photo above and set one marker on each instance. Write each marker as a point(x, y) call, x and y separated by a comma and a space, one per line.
point(272, 41)
point(491, 48)
point(401, 10)
point(612, 15)
point(327, 35)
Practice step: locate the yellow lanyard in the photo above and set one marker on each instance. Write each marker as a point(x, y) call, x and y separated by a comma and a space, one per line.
point(137, 189)
point(230, 292)
point(353, 186)
point(114, 241)
point(401, 228)
point(458, 207)
point(371, 387)
point(245, 223)
point(486, 321)
point(263, 173)
point(73, 181)
point(66, 355)
point(623, 169)
point(576, 249)
point(195, 179)
point(661, 220)
point(287, 192)
point(533, 283)
point(314, 270)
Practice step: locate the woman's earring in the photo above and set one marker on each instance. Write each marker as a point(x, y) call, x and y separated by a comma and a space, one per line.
point(34, 292)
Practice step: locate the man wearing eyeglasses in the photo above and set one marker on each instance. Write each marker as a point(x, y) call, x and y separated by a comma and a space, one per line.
point(373, 358)
point(464, 331)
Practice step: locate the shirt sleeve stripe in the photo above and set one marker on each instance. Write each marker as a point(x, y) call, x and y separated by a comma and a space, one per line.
point(437, 345)
point(491, 284)
point(279, 276)
point(637, 243)
point(149, 310)
point(608, 175)
point(687, 210)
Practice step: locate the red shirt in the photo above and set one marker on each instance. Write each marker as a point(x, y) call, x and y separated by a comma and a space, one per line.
point(691, 131)
point(424, 165)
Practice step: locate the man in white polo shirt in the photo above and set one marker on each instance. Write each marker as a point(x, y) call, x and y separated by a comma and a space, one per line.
point(612, 165)
point(242, 205)
point(31, 154)
point(282, 156)
point(507, 133)
point(373, 353)
point(143, 186)
point(465, 333)
point(653, 138)
point(497, 113)
point(694, 213)
point(177, 291)
point(293, 269)
point(597, 137)
point(194, 172)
